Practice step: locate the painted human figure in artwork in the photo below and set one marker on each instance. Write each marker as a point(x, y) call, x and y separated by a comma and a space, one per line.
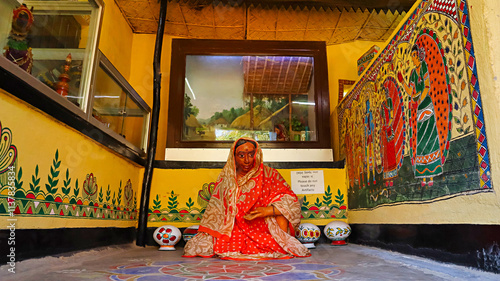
point(429, 108)
point(252, 214)
point(281, 134)
point(349, 153)
point(358, 148)
point(389, 154)
point(369, 145)
point(392, 131)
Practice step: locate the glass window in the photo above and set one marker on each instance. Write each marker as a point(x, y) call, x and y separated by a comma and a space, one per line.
point(57, 39)
point(118, 107)
point(268, 98)
point(228, 92)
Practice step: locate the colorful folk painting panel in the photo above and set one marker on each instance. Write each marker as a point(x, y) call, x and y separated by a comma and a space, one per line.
point(412, 128)
point(366, 58)
point(63, 195)
point(41, 187)
point(328, 206)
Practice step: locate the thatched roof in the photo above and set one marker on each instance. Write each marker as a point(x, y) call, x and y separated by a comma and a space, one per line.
point(243, 121)
point(332, 21)
point(277, 74)
point(220, 121)
point(191, 121)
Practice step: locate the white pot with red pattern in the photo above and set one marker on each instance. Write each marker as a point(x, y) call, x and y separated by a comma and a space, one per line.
point(308, 234)
point(167, 236)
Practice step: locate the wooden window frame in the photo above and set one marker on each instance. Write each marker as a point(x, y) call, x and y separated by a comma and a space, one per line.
point(343, 82)
point(184, 47)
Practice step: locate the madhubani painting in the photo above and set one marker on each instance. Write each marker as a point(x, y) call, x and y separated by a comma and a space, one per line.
point(412, 128)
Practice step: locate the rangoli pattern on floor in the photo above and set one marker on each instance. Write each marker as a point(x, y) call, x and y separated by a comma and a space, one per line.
point(215, 269)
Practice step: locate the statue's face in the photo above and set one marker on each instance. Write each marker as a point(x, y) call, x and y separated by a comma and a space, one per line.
point(245, 158)
point(22, 19)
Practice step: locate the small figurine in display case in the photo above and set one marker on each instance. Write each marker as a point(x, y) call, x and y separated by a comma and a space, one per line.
point(17, 49)
point(62, 87)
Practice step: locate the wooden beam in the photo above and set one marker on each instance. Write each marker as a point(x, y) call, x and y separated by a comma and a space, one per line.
point(295, 75)
point(263, 73)
point(245, 26)
point(213, 21)
point(364, 24)
point(254, 73)
point(286, 75)
point(279, 74)
point(153, 132)
point(307, 23)
point(270, 75)
point(308, 62)
point(394, 22)
point(276, 24)
point(184, 20)
point(336, 24)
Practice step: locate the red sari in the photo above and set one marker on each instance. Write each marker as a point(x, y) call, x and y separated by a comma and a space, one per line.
point(223, 230)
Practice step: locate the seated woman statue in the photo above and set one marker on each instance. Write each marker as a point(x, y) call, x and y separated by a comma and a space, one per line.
point(252, 214)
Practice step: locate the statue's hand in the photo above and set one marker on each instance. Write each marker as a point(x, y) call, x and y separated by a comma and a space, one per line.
point(259, 212)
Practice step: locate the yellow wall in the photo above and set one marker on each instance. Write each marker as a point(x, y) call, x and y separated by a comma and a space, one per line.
point(77, 157)
point(342, 64)
point(116, 38)
point(480, 208)
point(182, 186)
point(141, 79)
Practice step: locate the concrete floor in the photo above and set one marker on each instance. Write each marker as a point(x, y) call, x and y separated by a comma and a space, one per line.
point(129, 262)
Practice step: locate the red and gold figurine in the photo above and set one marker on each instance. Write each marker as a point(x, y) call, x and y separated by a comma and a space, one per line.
point(62, 87)
point(17, 49)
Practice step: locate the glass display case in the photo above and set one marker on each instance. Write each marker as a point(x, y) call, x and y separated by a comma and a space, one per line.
point(53, 47)
point(117, 106)
point(57, 40)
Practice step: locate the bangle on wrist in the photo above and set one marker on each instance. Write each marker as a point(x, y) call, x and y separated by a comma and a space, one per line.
point(274, 214)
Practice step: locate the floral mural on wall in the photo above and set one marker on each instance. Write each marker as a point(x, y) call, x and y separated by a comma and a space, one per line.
point(8, 151)
point(327, 206)
point(58, 193)
point(412, 128)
